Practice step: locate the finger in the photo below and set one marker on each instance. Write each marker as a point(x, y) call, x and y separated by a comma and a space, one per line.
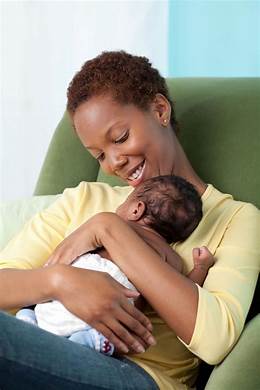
point(145, 345)
point(206, 252)
point(131, 293)
point(196, 253)
point(120, 346)
point(137, 322)
point(54, 259)
point(141, 341)
point(123, 335)
point(138, 315)
point(62, 257)
point(51, 260)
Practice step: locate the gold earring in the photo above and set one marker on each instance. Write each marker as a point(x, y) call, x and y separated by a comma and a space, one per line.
point(165, 121)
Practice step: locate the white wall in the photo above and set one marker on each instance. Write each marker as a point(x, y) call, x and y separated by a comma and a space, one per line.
point(43, 43)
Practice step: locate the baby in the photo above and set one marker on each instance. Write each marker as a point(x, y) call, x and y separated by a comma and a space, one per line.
point(162, 210)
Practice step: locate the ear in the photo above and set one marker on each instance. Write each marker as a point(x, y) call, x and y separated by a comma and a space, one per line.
point(136, 211)
point(161, 109)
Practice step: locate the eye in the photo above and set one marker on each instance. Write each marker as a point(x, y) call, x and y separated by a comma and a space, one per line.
point(122, 138)
point(100, 157)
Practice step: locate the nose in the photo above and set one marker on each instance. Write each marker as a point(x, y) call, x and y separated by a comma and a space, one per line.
point(116, 163)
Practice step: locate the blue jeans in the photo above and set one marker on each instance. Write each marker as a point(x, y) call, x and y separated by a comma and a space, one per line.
point(31, 358)
point(88, 336)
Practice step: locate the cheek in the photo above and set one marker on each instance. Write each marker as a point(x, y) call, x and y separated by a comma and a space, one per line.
point(139, 145)
point(120, 212)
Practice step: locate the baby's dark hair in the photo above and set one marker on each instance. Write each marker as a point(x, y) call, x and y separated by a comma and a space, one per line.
point(173, 206)
point(129, 79)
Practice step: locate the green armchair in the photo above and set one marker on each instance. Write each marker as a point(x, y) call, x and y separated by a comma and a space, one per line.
point(219, 120)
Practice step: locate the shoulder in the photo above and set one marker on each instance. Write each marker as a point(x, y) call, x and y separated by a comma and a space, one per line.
point(98, 193)
point(84, 187)
point(228, 226)
point(104, 189)
point(237, 228)
point(223, 204)
point(245, 225)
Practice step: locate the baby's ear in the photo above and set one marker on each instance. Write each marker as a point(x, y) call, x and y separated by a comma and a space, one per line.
point(137, 211)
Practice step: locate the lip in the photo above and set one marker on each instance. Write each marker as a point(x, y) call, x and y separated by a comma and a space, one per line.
point(135, 182)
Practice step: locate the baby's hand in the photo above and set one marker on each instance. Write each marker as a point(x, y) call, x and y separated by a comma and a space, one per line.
point(202, 258)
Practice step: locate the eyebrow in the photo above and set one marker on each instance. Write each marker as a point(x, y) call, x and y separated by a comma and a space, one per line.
point(106, 134)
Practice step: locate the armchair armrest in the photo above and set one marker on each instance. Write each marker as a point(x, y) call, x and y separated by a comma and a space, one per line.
point(14, 214)
point(241, 368)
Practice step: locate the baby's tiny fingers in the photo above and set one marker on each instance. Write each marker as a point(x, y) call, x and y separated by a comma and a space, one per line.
point(196, 252)
point(204, 249)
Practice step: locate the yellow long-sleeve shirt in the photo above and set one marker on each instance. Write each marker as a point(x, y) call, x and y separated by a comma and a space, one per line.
point(231, 231)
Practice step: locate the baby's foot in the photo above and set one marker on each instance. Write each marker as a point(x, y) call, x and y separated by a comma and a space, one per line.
point(105, 346)
point(101, 343)
point(202, 258)
point(27, 315)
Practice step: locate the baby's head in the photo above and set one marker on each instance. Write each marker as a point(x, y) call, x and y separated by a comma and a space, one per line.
point(167, 204)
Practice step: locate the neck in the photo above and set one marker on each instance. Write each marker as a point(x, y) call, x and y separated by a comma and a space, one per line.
point(140, 226)
point(184, 169)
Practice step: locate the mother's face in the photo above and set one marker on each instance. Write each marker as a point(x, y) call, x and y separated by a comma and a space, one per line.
point(128, 142)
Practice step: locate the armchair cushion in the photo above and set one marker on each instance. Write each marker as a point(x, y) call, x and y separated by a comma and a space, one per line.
point(241, 364)
point(14, 214)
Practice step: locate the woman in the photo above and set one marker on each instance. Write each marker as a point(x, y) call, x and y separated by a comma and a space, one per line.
point(123, 115)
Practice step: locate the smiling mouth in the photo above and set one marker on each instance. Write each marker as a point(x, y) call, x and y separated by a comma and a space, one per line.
point(137, 174)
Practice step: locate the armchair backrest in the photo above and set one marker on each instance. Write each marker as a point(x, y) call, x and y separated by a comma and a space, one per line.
point(220, 132)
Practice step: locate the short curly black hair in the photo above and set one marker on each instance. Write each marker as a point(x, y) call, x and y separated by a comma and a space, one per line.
point(128, 78)
point(173, 207)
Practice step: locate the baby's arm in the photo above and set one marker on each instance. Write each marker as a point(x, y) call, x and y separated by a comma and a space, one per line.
point(203, 260)
point(172, 258)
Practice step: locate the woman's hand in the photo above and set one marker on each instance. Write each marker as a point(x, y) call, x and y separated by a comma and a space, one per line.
point(99, 300)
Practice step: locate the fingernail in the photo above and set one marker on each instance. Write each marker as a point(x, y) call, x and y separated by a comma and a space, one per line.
point(151, 340)
point(125, 349)
point(140, 349)
point(150, 327)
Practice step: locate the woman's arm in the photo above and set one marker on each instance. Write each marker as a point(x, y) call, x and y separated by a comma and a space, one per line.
point(20, 288)
point(23, 282)
point(138, 261)
point(107, 309)
point(162, 280)
point(217, 310)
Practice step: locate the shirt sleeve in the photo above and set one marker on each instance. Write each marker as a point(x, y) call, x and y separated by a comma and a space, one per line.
point(227, 293)
point(34, 244)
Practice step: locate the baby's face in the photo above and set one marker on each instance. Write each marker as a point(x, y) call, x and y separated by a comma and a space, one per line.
point(125, 209)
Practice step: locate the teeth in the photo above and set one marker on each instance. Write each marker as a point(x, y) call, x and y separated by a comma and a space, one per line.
point(136, 173)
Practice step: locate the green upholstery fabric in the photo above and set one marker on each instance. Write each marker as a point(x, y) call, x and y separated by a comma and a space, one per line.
point(246, 355)
point(219, 121)
point(67, 163)
point(220, 132)
point(14, 214)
